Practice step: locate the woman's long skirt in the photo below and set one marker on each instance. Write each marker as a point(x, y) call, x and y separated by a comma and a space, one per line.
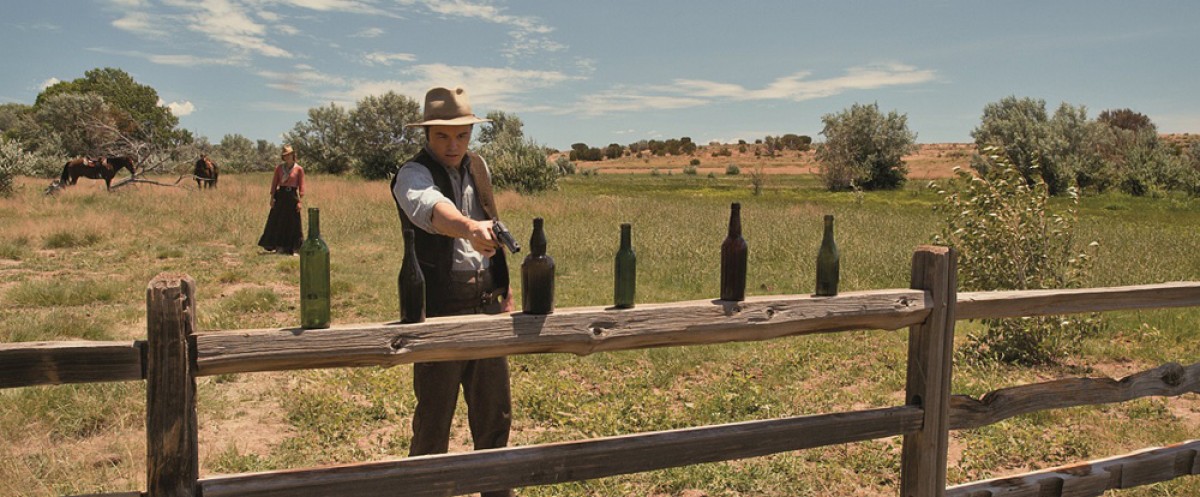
point(282, 233)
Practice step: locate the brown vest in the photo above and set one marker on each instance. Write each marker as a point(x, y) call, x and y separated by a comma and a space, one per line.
point(435, 252)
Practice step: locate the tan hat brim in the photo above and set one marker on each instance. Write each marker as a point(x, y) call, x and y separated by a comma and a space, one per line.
point(458, 121)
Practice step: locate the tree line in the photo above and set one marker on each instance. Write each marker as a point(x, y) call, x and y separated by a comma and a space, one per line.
point(106, 112)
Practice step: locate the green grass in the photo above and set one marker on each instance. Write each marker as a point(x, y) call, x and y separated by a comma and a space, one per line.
point(87, 438)
point(56, 293)
point(71, 239)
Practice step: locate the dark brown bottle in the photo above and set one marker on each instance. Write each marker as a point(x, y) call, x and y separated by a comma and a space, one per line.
point(537, 274)
point(411, 283)
point(734, 252)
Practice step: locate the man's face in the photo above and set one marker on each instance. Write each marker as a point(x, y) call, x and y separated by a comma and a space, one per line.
point(449, 143)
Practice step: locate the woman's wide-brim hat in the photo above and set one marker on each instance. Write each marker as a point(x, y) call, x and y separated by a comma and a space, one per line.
point(287, 150)
point(446, 107)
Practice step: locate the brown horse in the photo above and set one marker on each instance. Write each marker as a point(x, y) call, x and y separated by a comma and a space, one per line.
point(104, 168)
point(206, 172)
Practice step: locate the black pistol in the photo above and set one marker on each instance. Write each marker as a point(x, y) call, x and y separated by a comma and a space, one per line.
point(504, 236)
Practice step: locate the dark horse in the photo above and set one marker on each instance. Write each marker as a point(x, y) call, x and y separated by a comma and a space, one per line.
point(206, 172)
point(104, 168)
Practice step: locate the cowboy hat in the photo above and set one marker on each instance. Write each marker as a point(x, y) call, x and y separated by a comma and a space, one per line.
point(444, 107)
point(287, 150)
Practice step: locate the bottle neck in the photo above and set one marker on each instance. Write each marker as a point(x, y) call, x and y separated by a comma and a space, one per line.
point(410, 246)
point(626, 237)
point(735, 221)
point(314, 223)
point(828, 226)
point(537, 241)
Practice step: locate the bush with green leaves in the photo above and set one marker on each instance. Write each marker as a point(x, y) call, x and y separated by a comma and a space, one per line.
point(519, 164)
point(689, 170)
point(1007, 238)
point(865, 147)
point(13, 162)
point(732, 170)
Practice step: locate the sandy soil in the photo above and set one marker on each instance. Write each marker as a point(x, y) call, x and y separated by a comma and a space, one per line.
point(930, 161)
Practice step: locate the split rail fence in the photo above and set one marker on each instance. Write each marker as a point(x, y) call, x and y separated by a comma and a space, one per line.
point(174, 355)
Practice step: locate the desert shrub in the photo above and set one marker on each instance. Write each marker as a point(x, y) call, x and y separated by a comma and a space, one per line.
point(655, 172)
point(694, 162)
point(14, 161)
point(732, 170)
point(866, 147)
point(589, 171)
point(758, 179)
point(564, 165)
point(1008, 239)
point(1151, 169)
point(689, 170)
point(520, 165)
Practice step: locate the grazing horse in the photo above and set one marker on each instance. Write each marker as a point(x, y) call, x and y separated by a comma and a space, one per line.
point(104, 168)
point(206, 172)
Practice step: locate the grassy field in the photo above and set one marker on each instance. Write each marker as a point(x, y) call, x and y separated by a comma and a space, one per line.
point(75, 266)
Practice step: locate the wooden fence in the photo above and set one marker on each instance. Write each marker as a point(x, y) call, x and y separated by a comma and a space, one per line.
point(174, 355)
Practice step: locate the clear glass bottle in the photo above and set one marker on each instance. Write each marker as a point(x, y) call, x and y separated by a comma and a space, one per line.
point(314, 275)
point(537, 274)
point(734, 254)
point(827, 262)
point(411, 283)
point(625, 271)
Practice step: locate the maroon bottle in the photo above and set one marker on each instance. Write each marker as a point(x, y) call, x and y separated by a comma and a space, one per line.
point(734, 252)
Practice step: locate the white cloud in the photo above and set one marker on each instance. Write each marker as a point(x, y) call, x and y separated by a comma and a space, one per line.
point(349, 6)
point(184, 60)
point(797, 87)
point(141, 23)
point(683, 93)
point(386, 59)
point(180, 109)
point(368, 33)
point(230, 24)
point(488, 87)
point(304, 80)
point(48, 83)
point(528, 32)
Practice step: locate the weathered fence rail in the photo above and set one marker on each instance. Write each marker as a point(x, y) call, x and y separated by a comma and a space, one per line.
point(174, 355)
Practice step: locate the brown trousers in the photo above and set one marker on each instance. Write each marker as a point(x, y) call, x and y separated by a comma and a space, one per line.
point(484, 383)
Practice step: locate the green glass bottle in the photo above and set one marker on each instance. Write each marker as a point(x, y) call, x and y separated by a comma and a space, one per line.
point(537, 275)
point(314, 275)
point(625, 271)
point(827, 262)
point(411, 283)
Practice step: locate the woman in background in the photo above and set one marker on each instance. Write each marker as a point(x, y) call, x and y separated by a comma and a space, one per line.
point(283, 233)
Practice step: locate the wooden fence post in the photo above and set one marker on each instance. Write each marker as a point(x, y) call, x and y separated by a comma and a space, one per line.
point(172, 451)
point(930, 363)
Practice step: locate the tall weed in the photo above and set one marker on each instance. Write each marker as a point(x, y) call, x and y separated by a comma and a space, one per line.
point(1008, 238)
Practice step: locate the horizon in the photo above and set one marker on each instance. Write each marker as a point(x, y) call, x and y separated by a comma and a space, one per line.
point(255, 68)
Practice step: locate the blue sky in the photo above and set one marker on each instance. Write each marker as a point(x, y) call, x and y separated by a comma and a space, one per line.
point(619, 71)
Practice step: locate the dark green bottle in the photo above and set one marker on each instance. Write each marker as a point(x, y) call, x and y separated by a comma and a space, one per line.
point(411, 283)
point(625, 271)
point(827, 262)
point(537, 274)
point(314, 275)
point(734, 253)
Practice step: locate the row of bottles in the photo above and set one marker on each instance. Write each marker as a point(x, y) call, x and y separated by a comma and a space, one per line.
point(537, 270)
point(735, 252)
